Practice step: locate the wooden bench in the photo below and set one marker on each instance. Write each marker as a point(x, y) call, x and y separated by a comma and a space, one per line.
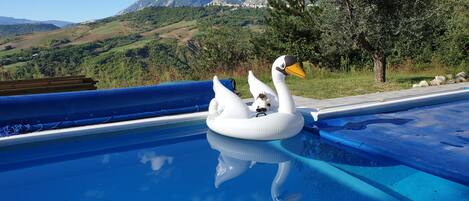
point(46, 85)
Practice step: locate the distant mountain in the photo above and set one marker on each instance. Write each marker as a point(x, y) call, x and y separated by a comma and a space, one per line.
point(19, 29)
point(57, 23)
point(141, 4)
point(240, 3)
point(12, 21)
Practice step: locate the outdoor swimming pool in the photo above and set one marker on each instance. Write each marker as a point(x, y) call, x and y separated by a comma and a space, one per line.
point(184, 162)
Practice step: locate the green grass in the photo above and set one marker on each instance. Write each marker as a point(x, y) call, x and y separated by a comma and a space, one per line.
point(14, 65)
point(338, 85)
point(8, 52)
point(321, 84)
point(138, 44)
point(108, 28)
point(175, 26)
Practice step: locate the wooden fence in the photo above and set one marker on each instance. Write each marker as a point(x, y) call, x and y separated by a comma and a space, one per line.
point(46, 85)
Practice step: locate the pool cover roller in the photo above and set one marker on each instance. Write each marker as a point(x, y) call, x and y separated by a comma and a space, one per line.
point(29, 113)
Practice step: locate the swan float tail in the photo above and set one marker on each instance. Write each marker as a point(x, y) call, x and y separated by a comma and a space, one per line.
point(213, 108)
point(227, 103)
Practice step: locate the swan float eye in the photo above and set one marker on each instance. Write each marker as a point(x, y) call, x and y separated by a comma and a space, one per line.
point(282, 66)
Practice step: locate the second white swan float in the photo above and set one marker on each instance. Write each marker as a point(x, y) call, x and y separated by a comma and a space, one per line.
point(230, 116)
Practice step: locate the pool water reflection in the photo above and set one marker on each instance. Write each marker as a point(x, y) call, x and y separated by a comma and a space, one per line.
point(211, 167)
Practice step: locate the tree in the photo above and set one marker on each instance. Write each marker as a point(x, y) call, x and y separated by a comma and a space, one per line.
point(453, 47)
point(333, 27)
point(4, 74)
point(8, 47)
point(293, 28)
point(375, 26)
point(222, 48)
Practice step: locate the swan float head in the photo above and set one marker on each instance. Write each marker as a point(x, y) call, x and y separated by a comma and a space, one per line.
point(287, 65)
point(283, 66)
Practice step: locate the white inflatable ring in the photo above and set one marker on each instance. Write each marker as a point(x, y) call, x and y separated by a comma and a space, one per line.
point(271, 127)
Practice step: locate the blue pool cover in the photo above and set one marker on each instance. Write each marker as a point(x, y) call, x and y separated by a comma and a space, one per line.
point(433, 138)
point(29, 113)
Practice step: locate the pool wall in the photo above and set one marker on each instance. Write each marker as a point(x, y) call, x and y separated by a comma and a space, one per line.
point(39, 112)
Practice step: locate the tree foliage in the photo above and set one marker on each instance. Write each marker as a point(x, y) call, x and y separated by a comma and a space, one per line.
point(453, 44)
point(223, 48)
point(352, 30)
point(292, 29)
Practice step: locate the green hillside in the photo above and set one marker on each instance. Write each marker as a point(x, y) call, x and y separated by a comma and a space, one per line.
point(20, 29)
point(144, 22)
point(132, 49)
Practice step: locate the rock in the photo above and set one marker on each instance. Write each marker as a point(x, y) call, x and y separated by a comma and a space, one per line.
point(439, 80)
point(435, 83)
point(460, 79)
point(423, 83)
point(450, 79)
point(461, 74)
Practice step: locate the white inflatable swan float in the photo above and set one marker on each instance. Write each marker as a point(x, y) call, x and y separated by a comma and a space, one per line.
point(230, 116)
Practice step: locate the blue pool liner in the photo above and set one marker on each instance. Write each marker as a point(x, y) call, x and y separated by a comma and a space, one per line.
point(30, 113)
point(434, 138)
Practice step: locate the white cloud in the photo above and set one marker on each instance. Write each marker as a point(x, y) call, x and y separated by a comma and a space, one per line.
point(157, 162)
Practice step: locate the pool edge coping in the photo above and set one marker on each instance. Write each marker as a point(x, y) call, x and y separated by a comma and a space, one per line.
point(99, 128)
point(377, 106)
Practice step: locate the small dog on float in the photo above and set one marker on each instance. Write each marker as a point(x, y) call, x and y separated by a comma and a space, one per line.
point(262, 104)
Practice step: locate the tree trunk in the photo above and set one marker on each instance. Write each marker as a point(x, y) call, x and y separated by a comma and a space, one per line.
point(379, 66)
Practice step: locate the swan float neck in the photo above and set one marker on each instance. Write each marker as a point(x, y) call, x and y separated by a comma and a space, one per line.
point(283, 66)
point(286, 103)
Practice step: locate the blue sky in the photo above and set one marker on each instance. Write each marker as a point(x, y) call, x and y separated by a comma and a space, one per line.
point(68, 10)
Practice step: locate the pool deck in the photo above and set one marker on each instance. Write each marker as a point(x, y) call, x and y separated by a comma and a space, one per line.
point(377, 102)
point(381, 101)
point(376, 97)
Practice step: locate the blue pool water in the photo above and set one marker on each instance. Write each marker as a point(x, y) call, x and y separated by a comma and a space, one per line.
point(184, 162)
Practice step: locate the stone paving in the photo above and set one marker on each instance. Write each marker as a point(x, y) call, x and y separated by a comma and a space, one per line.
point(376, 97)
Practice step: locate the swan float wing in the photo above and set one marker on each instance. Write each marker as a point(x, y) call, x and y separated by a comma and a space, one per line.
point(229, 104)
point(257, 87)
